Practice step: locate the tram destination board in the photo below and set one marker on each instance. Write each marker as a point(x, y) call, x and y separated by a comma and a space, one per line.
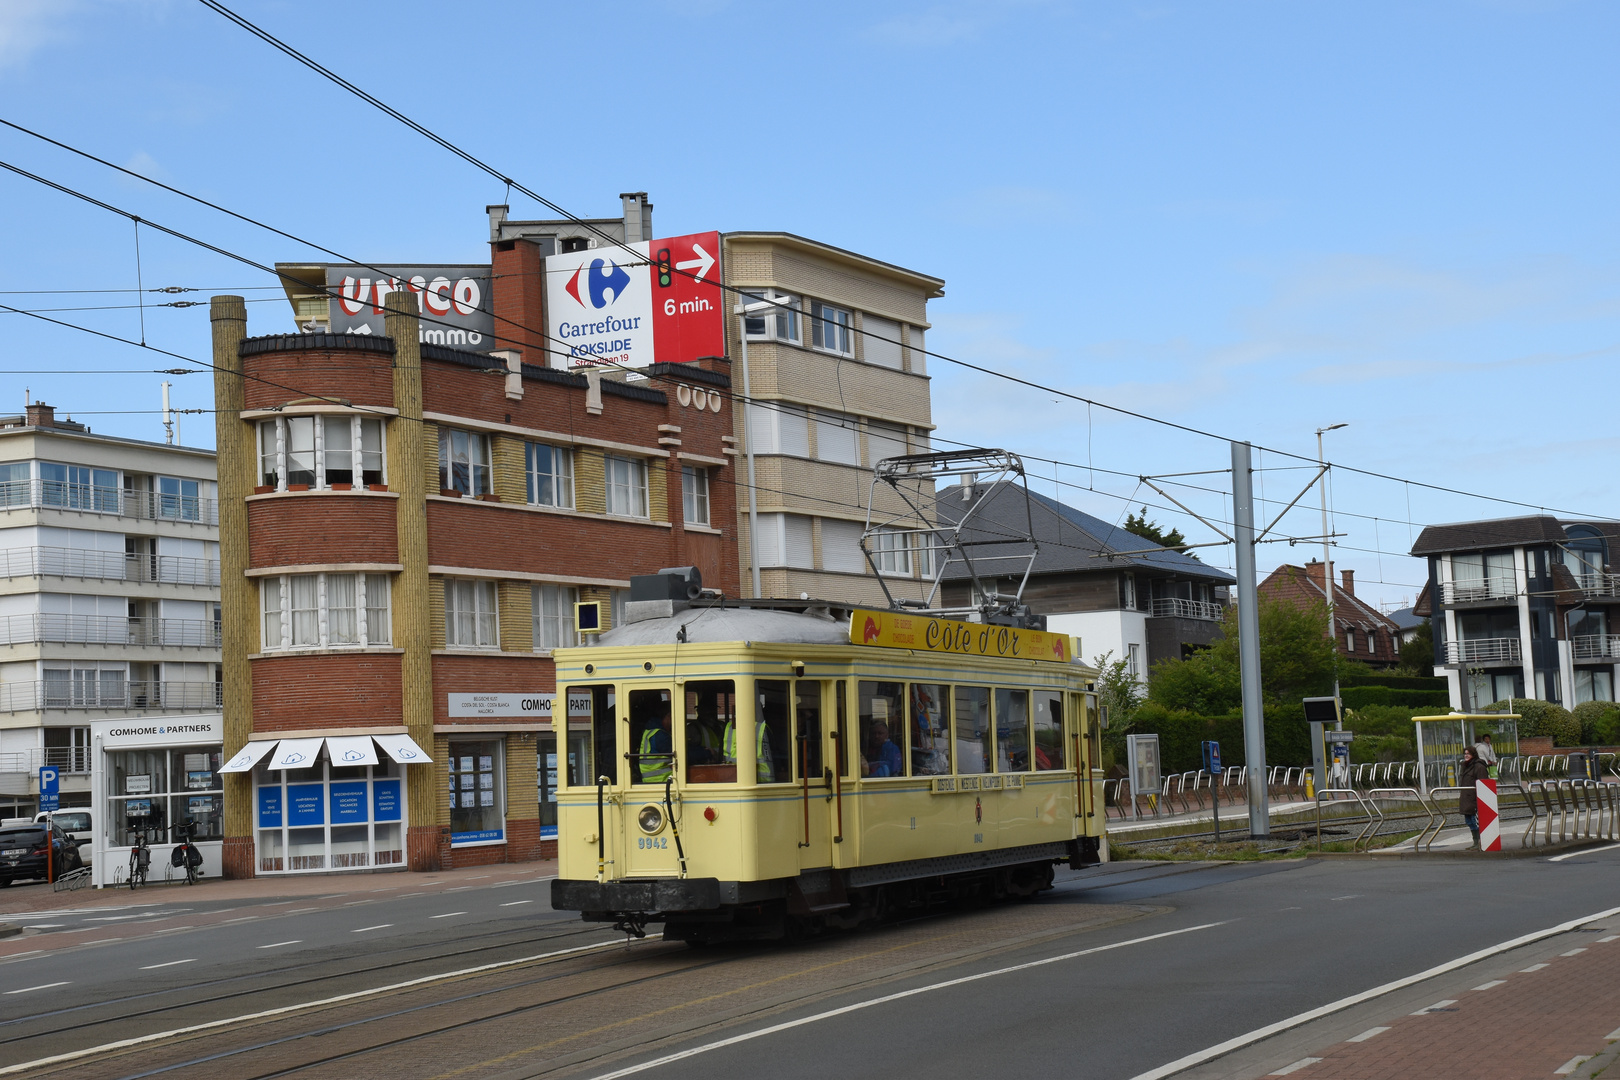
point(903, 630)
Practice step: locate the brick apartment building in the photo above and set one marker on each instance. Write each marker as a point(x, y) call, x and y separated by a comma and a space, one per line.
point(405, 529)
point(1361, 631)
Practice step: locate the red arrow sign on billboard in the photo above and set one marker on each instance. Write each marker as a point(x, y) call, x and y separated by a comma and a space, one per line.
point(689, 313)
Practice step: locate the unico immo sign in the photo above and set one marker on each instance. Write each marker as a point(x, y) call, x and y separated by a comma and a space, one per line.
point(455, 301)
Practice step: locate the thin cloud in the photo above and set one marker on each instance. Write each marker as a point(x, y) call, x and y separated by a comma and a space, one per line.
point(26, 26)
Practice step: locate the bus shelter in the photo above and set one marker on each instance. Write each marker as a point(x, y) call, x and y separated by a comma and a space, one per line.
point(1442, 739)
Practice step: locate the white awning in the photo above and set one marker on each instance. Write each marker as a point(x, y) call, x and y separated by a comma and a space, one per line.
point(402, 749)
point(296, 754)
point(351, 750)
point(249, 756)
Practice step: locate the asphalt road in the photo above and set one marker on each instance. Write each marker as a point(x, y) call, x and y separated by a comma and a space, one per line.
point(1214, 951)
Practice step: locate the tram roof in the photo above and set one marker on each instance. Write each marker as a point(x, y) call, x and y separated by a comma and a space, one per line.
point(714, 623)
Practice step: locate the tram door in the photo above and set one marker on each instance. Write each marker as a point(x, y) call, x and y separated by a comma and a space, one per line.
point(812, 705)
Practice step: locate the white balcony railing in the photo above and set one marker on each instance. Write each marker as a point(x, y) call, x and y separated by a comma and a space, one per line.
point(108, 565)
point(57, 628)
point(1503, 650)
point(69, 759)
point(152, 505)
point(1596, 585)
point(1596, 646)
point(1170, 606)
point(1470, 590)
point(168, 695)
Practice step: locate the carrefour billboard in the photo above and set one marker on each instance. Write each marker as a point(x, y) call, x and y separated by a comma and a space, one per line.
point(636, 304)
point(455, 301)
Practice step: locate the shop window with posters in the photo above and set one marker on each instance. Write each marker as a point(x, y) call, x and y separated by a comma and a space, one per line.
point(477, 793)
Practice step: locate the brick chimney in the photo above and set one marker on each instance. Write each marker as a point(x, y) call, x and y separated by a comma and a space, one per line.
point(1313, 571)
point(41, 415)
point(1349, 577)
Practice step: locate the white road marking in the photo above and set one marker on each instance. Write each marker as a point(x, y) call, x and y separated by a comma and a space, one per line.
point(301, 910)
point(1296, 1066)
point(447, 915)
point(1583, 851)
point(1571, 1065)
point(515, 903)
point(719, 1044)
point(1492, 983)
point(172, 929)
point(162, 1036)
point(101, 941)
point(1365, 1035)
point(1613, 1036)
point(171, 963)
point(242, 918)
point(461, 888)
point(1572, 952)
point(1532, 967)
point(46, 926)
point(41, 986)
point(379, 926)
point(1352, 896)
point(1249, 1038)
point(1436, 1007)
point(1606, 940)
point(279, 944)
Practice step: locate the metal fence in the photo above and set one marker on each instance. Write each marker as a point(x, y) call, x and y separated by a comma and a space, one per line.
point(88, 498)
point(43, 626)
point(173, 695)
point(108, 565)
point(70, 759)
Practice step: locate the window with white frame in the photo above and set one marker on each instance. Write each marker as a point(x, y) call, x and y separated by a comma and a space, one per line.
point(779, 323)
point(836, 438)
point(695, 494)
point(785, 540)
point(326, 451)
point(554, 616)
point(830, 328)
point(470, 619)
point(1133, 660)
point(626, 485)
point(891, 551)
point(464, 462)
point(324, 611)
point(617, 599)
point(550, 471)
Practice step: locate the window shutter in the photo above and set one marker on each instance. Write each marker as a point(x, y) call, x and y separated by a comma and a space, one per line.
point(881, 341)
point(841, 546)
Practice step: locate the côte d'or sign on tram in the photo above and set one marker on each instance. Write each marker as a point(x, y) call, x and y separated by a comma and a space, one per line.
point(753, 772)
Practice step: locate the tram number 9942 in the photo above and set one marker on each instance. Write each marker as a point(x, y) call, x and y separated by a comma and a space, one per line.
point(652, 841)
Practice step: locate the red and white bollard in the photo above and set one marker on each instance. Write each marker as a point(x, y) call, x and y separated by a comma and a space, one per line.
point(1490, 826)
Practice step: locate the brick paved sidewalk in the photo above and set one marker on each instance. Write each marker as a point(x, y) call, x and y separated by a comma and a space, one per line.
point(1541, 1021)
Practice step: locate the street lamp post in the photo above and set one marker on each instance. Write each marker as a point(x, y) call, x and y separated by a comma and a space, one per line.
point(748, 439)
point(1327, 561)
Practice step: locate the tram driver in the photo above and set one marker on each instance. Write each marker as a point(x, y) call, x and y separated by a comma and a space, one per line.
point(764, 770)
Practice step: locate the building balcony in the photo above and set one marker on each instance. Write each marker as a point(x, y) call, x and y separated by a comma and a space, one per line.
point(1474, 590)
point(1600, 586)
point(108, 566)
point(1483, 651)
point(1176, 608)
point(84, 498)
point(47, 627)
point(1596, 647)
point(110, 695)
point(74, 760)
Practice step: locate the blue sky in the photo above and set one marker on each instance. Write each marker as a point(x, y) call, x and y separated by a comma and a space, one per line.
point(1250, 218)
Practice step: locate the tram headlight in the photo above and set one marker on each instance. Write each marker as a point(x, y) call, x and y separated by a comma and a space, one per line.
point(651, 819)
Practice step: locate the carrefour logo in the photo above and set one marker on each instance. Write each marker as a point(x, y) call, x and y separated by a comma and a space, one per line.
point(605, 282)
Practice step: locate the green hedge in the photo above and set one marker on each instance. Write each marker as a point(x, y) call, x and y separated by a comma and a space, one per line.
point(1356, 697)
point(1181, 735)
point(1394, 682)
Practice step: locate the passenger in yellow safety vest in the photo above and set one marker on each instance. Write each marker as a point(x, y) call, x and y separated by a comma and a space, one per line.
point(657, 750)
point(762, 750)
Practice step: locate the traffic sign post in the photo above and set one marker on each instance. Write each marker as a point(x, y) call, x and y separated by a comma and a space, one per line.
point(1212, 765)
point(50, 780)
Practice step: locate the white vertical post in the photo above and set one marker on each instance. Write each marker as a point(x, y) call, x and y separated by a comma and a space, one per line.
point(748, 447)
point(1254, 720)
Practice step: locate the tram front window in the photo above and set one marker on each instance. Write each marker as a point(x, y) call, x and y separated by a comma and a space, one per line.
point(972, 729)
point(652, 737)
point(881, 732)
point(1050, 751)
point(593, 735)
point(711, 709)
point(773, 739)
point(930, 730)
point(1012, 730)
point(807, 728)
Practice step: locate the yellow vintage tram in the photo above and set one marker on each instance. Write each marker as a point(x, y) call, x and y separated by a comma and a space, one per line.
point(751, 772)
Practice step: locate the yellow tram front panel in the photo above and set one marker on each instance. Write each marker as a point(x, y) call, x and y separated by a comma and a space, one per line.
point(770, 762)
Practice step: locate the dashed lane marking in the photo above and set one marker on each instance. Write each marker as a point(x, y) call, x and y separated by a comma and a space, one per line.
point(1296, 1066)
point(515, 903)
point(1606, 940)
point(279, 944)
point(41, 986)
point(1584, 851)
point(1439, 1006)
point(447, 915)
point(1491, 984)
point(1532, 967)
point(171, 963)
point(1572, 952)
point(379, 926)
point(1571, 1065)
point(1365, 1035)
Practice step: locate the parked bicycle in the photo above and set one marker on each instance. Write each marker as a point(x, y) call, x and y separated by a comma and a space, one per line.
point(140, 859)
point(185, 852)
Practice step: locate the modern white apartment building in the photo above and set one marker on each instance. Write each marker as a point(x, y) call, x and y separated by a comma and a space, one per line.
point(109, 593)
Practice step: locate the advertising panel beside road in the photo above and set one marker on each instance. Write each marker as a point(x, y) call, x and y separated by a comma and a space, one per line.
point(637, 304)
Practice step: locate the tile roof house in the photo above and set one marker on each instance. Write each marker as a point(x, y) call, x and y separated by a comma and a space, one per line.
point(1119, 593)
point(1361, 631)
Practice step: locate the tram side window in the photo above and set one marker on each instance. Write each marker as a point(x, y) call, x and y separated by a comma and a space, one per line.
point(972, 729)
point(593, 735)
point(773, 736)
point(1012, 730)
point(652, 737)
point(879, 706)
point(711, 709)
point(930, 730)
point(1050, 751)
point(807, 728)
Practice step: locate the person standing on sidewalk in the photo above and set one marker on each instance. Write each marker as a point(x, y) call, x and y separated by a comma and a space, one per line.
point(1486, 752)
point(1473, 769)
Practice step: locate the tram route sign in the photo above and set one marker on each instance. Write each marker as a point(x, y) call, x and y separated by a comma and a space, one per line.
point(905, 630)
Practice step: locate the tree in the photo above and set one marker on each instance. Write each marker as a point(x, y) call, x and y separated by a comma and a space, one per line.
point(1297, 660)
point(1417, 655)
point(1149, 530)
point(1118, 690)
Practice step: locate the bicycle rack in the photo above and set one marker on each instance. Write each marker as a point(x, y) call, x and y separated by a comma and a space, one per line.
point(1404, 792)
point(1356, 795)
point(72, 880)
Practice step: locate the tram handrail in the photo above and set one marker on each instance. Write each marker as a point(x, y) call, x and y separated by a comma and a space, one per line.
point(838, 781)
